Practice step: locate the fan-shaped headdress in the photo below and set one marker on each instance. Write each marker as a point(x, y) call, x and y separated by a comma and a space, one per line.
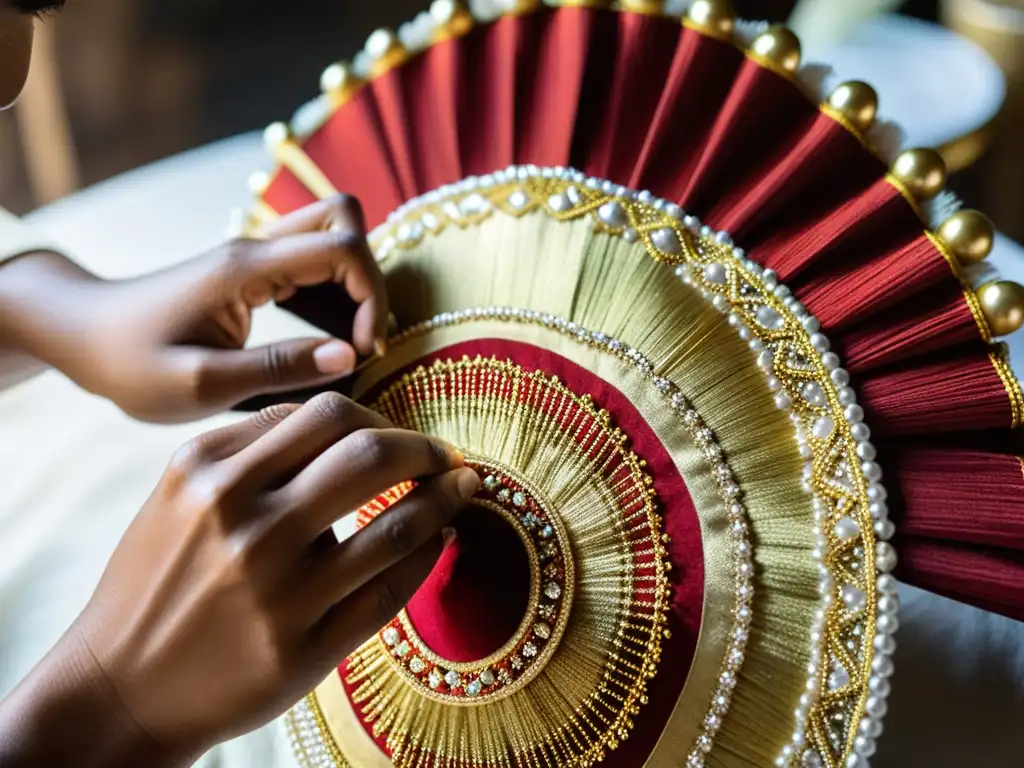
point(683, 318)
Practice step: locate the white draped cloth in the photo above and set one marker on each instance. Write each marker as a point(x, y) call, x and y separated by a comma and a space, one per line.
point(74, 471)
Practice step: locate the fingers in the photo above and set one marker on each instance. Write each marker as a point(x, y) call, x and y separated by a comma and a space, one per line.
point(219, 444)
point(224, 377)
point(325, 242)
point(395, 535)
point(349, 624)
point(310, 430)
point(362, 466)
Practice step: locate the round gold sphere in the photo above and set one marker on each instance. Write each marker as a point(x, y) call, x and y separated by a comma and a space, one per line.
point(779, 46)
point(714, 16)
point(647, 7)
point(969, 235)
point(921, 171)
point(857, 102)
point(1002, 303)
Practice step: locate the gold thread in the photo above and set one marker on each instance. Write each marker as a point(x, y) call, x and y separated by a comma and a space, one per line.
point(997, 354)
point(714, 34)
point(970, 297)
point(902, 189)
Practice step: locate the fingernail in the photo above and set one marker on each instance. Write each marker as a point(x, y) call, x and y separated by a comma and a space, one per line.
point(448, 535)
point(456, 456)
point(380, 347)
point(333, 357)
point(468, 483)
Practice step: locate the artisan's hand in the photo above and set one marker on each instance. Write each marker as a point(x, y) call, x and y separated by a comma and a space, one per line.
point(169, 346)
point(228, 598)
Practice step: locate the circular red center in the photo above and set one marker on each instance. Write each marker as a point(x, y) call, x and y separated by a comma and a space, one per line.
point(476, 597)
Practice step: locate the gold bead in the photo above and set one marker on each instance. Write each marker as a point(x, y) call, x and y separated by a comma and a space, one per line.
point(777, 46)
point(339, 81)
point(452, 18)
point(385, 50)
point(716, 17)
point(646, 7)
point(1002, 303)
point(857, 102)
point(275, 135)
point(969, 235)
point(921, 171)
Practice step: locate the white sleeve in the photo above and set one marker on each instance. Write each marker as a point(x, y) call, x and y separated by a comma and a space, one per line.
point(17, 238)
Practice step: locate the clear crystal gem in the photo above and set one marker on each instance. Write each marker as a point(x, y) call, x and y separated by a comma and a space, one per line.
point(504, 495)
point(519, 498)
point(547, 532)
point(491, 483)
point(553, 590)
point(403, 649)
point(547, 611)
point(474, 688)
point(529, 650)
point(487, 677)
point(434, 678)
point(542, 630)
point(391, 636)
point(416, 665)
point(452, 679)
point(839, 678)
point(517, 663)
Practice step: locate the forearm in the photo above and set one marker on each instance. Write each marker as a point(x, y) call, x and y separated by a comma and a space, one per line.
point(37, 297)
point(66, 713)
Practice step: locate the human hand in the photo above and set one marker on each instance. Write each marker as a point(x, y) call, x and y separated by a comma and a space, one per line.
point(228, 598)
point(169, 346)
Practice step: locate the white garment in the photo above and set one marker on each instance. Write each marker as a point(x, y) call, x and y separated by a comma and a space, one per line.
point(958, 693)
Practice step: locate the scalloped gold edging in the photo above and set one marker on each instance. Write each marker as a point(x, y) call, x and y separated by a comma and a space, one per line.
point(999, 357)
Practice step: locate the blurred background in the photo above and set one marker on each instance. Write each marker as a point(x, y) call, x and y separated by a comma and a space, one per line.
point(121, 83)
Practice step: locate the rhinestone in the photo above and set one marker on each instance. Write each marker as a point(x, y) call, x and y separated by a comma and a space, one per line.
point(769, 318)
point(553, 590)
point(529, 650)
point(491, 482)
point(434, 678)
point(811, 759)
point(391, 636)
point(542, 630)
point(839, 678)
point(452, 679)
point(517, 663)
point(416, 665)
point(847, 529)
point(504, 495)
point(487, 677)
point(519, 498)
point(547, 611)
point(613, 214)
point(474, 688)
point(403, 648)
point(547, 532)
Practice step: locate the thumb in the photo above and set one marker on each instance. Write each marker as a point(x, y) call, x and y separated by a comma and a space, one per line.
point(229, 376)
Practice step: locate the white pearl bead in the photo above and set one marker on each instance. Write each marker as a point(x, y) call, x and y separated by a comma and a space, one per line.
point(866, 451)
point(811, 324)
point(716, 273)
point(887, 584)
point(885, 557)
point(840, 377)
point(882, 665)
point(819, 342)
point(880, 686)
point(854, 413)
point(877, 493)
point(770, 278)
point(774, 384)
point(766, 359)
point(870, 727)
point(830, 360)
point(864, 746)
point(885, 644)
point(823, 427)
point(860, 432)
point(871, 470)
point(783, 401)
point(885, 530)
point(876, 707)
point(847, 529)
point(888, 604)
point(878, 510)
point(887, 624)
point(856, 761)
point(853, 598)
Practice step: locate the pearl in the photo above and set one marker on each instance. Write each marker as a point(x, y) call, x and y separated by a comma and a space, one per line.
point(866, 451)
point(887, 624)
point(877, 493)
point(922, 172)
point(716, 273)
point(887, 584)
point(856, 761)
point(838, 679)
point(765, 360)
point(713, 16)
point(559, 203)
point(840, 377)
point(880, 686)
point(888, 604)
point(871, 470)
point(885, 530)
point(885, 557)
point(819, 342)
point(814, 394)
point(811, 324)
point(864, 746)
point(885, 644)
point(847, 529)
point(830, 360)
point(870, 727)
point(853, 598)
point(613, 213)
point(847, 396)
point(774, 383)
point(823, 427)
point(666, 240)
point(783, 401)
point(769, 318)
point(860, 432)
point(876, 707)
point(854, 413)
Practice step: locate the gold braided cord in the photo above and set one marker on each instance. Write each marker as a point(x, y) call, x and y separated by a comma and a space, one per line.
point(970, 297)
point(581, 703)
point(998, 356)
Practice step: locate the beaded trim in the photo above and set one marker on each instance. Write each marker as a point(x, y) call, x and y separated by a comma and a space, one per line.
point(838, 716)
point(552, 580)
point(704, 438)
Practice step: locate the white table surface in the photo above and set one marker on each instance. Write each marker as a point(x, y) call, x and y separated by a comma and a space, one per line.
point(960, 672)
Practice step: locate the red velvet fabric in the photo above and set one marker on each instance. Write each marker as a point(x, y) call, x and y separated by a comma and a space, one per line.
point(679, 521)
